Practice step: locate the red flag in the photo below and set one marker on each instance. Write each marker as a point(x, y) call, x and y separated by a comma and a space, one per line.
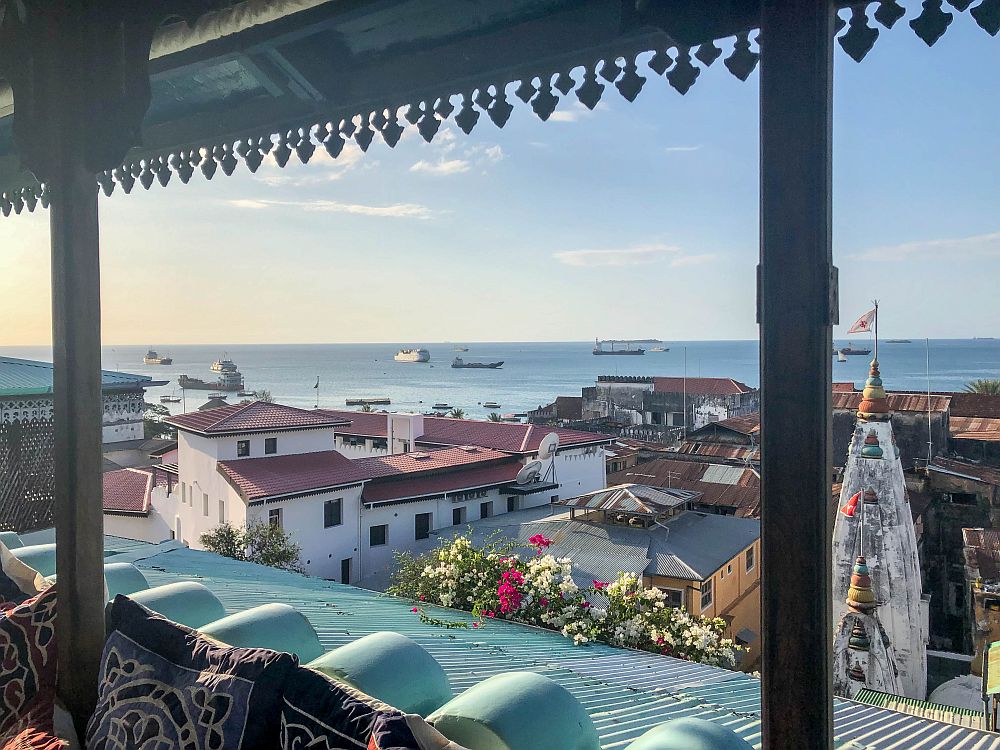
point(852, 504)
point(864, 323)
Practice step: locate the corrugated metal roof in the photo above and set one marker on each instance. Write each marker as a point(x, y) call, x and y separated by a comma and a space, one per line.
point(978, 472)
point(897, 401)
point(965, 717)
point(974, 428)
point(625, 692)
point(632, 498)
point(28, 377)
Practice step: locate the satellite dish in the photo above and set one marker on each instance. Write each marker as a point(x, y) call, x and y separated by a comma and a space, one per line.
point(549, 445)
point(529, 473)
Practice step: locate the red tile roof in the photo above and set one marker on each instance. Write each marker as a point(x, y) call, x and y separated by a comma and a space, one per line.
point(436, 484)
point(502, 436)
point(743, 496)
point(127, 491)
point(258, 416)
point(701, 386)
point(270, 476)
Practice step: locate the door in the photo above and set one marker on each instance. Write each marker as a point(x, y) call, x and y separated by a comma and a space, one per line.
point(422, 526)
point(345, 570)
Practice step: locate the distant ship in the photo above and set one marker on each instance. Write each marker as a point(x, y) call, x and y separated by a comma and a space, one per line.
point(380, 401)
point(850, 350)
point(491, 405)
point(223, 365)
point(898, 341)
point(459, 363)
point(599, 348)
point(152, 358)
point(228, 381)
point(461, 348)
point(171, 399)
point(659, 349)
point(413, 355)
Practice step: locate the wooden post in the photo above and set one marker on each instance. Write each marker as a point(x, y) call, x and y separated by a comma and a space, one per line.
point(796, 314)
point(76, 340)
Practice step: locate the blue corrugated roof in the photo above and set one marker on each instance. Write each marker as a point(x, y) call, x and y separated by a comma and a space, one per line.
point(28, 377)
point(626, 692)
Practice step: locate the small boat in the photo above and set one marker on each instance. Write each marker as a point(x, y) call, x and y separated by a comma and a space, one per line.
point(659, 349)
point(459, 363)
point(218, 395)
point(246, 394)
point(841, 357)
point(228, 382)
point(898, 341)
point(491, 405)
point(152, 358)
point(413, 355)
point(439, 407)
point(223, 365)
point(461, 348)
point(850, 350)
point(380, 401)
point(171, 399)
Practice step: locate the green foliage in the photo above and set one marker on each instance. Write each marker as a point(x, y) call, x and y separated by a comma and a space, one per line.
point(984, 385)
point(366, 408)
point(495, 417)
point(258, 542)
point(264, 396)
point(457, 413)
point(152, 426)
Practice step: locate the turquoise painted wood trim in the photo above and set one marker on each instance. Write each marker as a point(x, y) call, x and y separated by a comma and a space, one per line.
point(275, 626)
point(517, 711)
point(689, 734)
point(186, 602)
point(10, 540)
point(392, 668)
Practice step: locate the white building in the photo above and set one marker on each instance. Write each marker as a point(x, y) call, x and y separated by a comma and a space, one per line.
point(877, 592)
point(329, 478)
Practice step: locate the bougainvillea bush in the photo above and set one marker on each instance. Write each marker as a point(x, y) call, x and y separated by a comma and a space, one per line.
point(499, 580)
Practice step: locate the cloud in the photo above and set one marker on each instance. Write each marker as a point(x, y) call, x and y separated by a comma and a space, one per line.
point(681, 149)
point(442, 167)
point(977, 246)
point(393, 210)
point(494, 153)
point(638, 255)
point(564, 116)
point(321, 167)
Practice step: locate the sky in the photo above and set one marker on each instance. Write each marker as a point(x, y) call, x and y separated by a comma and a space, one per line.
point(632, 221)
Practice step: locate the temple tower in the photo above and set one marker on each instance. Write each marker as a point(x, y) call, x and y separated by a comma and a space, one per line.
point(877, 597)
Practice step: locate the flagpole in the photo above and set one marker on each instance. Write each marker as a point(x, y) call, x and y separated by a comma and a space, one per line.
point(875, 319)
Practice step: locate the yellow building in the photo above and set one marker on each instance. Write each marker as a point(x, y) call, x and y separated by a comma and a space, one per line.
point(707, 563)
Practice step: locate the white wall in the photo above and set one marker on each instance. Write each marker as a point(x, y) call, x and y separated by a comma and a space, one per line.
point(289, 443)
point(151, 528)
point(362, 448)
point(579, 470)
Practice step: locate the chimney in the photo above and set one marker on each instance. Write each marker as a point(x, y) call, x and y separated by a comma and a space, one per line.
point(403, 429)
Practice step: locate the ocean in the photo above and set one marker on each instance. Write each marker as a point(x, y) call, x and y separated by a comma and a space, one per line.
point(533, 373)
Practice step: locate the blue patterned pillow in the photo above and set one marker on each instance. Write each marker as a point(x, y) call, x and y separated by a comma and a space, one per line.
point(321, 714)
point(162, 685)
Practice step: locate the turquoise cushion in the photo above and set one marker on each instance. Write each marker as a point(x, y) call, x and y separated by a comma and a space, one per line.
point(517, 711)
point(186, 602)
point(41, 557)
point(689, 734)
point(120, 578)
point(10, 540)
point(274, 626)
point(391, 668)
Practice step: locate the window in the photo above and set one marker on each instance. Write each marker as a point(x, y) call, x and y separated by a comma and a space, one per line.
point(333, 513)
point(380, 444)
point(486, 509)
point(222, 511)
point(964, 498)
point(422, 526)
point(242, 448)
point(270, 445)
point(457, 516)
point(513, 503)
point(706, 594)
point(729, 569)
point(274, 517)
point(750, 560)
point(184, 493)
point(377, 535)
point(204, 504)
point(675, 597)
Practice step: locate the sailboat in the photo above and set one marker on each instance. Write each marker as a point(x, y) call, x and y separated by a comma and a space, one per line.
point(841, 357)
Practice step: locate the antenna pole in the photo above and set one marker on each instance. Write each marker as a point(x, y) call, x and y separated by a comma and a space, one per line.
point(685, 428)
point(876, 330)
point(930, 434)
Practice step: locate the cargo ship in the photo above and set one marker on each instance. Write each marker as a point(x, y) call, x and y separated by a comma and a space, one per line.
point(599, 349)
point(413, 355)
point(152, 358)
point(228, 381)
point(380, 401)
point(459, 363)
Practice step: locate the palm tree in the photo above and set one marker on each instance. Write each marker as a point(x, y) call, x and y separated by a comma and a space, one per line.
point(366, 408)
point(494, 417)
point(264, 396)
point(984, 385)
point(457, 413)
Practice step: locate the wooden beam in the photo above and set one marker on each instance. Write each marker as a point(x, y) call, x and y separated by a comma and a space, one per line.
point(76, 339)
point(795, 311)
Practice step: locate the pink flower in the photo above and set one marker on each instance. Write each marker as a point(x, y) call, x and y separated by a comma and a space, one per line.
point(422, 597)
point(491, 614)
point(414, 609)
point(585, 605)
point(539, 541)
point(475, 624)
point(543, 601)
point(600, 585)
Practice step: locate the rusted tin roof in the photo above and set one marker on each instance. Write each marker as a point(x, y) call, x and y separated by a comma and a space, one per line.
point(897, 401)
point(974, 428)
point(977, 472)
